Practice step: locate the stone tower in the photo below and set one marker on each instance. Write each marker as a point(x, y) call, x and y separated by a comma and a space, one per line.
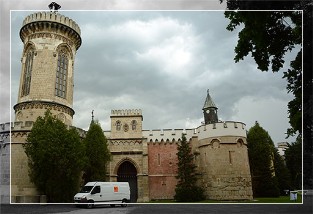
point(50, 44)
point(209, 110)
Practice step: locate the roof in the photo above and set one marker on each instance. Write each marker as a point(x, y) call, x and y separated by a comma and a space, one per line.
point(209, 102)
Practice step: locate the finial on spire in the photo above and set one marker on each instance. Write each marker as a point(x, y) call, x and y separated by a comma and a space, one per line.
point(208, 91)
point(92, 115)
point(54, 5)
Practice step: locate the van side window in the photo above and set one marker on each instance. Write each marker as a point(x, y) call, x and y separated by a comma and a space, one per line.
point(96, 190)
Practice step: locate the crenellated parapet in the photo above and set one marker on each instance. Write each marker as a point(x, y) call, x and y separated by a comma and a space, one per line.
point(5, 127)
point(4, 134)
point(52, 17)
point(167, 135)
point(26, 126)
point(214, 130)
point(126, 112)
point(50, 22)
point(221, 129)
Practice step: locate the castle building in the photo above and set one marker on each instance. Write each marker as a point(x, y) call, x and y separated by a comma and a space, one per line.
point(145, 158)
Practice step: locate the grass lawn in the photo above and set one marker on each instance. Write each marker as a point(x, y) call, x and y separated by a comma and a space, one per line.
point(281, 199)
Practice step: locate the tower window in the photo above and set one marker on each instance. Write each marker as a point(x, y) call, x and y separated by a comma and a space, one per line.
point(134, 124)
point(231, 157)
point(118, 125)
point(61, 75)
point(27, 72)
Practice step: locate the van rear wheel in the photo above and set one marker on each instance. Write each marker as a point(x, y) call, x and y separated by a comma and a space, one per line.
point(124, 203)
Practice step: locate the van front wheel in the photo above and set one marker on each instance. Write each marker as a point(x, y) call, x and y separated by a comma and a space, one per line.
point(90, 204)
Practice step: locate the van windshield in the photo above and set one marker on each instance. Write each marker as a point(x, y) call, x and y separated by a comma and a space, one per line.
point(86, 189)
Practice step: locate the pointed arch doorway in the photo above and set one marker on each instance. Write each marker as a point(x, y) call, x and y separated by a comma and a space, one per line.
point(127, 173)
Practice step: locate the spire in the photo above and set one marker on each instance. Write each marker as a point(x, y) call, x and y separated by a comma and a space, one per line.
point(209, 110)
point(92, 116)
point(208, 102)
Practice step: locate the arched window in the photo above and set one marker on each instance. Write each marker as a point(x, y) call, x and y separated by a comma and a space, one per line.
point(118, 125)
point(134, 124)
point(61, 75)
point(27, 72)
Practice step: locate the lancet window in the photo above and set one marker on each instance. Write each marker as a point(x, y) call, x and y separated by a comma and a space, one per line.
point(61, 75)
point(28, 67)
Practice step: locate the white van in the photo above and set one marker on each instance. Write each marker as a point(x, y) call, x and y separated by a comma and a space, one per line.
point(103, 193)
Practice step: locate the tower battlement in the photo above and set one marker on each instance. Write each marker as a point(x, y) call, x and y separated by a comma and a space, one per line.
point(52, 17)
point(225, 128)
point(50, 22)
point(126, 112)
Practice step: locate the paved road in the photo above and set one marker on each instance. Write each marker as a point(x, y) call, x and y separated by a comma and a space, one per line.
point(305, 208)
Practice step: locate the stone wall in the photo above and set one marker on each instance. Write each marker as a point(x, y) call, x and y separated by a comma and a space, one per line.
point(224, 168)
point(5, 163)
point(22, 190)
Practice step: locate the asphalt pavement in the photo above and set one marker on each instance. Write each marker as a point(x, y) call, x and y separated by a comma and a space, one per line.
point(291, 208)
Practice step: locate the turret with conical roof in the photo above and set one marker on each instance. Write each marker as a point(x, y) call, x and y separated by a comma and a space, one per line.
point(209, 110)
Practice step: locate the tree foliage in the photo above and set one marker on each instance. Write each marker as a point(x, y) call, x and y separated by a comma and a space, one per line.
point(282, 173)
point(268, 35)
point(97, 153)
point(261, 159)
point(293, 159)
point(186, 189)
point(55, 158)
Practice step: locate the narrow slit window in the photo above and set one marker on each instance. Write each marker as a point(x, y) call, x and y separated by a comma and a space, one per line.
point(231, 157)
point(159, 159)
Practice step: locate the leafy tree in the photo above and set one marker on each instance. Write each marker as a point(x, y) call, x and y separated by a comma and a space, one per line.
point(268, 35)
point(293, 161)
point(55, 158)
point(282, 173)
point(186, 189)
point(261, 159)
point(97, 153)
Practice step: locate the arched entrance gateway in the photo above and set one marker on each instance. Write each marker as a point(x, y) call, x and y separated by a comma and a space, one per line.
point(127, 173)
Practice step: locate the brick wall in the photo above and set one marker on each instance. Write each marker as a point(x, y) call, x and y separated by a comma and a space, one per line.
point(162, 162)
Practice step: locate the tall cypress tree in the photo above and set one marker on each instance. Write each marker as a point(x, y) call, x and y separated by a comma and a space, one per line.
point(186, 189)
point(97, 152)
point(261, 158)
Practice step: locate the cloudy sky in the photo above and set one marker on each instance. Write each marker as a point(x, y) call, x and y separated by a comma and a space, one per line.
point(161, 61)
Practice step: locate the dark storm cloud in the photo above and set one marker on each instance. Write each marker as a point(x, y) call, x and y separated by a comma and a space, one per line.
point(162, 62)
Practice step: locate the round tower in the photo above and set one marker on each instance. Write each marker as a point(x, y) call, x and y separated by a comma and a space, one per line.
point(50, 44)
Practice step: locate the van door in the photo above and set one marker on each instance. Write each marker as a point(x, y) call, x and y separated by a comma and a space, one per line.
point(96, 194)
